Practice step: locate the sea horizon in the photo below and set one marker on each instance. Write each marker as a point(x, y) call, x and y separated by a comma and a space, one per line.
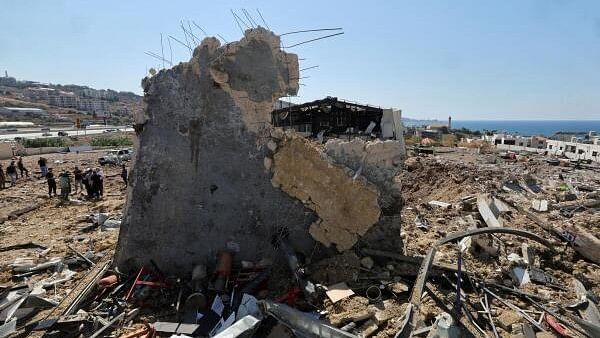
point(530, 127)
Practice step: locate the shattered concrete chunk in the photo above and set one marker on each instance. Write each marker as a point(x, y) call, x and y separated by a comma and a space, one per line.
point(347, 208)
point(199, 179)
point(381, 159)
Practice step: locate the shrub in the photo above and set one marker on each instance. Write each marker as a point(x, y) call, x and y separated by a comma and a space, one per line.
point(44, 142)
point(116, 141)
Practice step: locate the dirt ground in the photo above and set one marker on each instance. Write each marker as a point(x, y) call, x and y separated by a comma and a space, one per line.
point(54, 224)
point(453, 176)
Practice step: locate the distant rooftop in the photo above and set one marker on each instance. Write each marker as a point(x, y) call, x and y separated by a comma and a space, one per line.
point(23, 109)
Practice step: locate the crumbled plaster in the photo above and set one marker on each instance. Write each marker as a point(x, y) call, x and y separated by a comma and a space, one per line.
point(347, 207)
point(380, 160)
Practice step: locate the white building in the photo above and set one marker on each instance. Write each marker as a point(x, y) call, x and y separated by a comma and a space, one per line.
point(41, 93)
point(17, 111)
point(575, 150)
point(98, 94)
point(93, 105)
point(63, 99)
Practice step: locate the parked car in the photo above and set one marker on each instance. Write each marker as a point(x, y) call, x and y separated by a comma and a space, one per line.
point(63, 133)
point(109, 158)
point(115, 157)
point(125, 154)
point(46, 134)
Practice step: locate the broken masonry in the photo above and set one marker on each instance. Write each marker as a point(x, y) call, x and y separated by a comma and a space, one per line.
point(212, 174)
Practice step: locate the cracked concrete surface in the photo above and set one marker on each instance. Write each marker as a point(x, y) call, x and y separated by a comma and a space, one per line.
point(347, 207)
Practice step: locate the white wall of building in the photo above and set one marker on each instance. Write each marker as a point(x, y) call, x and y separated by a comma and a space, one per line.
point(574, 150)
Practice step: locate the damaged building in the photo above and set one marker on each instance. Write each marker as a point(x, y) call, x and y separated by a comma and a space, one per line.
point(213, 173)
point(331, 116)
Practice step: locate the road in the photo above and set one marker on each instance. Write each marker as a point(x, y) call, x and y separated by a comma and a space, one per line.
point(37, 133)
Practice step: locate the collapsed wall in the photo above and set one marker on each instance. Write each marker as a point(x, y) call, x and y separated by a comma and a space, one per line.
point(212, 174)
point(347, 207)
point(199, 180)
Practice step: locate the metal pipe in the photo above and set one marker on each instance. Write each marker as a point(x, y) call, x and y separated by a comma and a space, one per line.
point(312, 30)
point(311, 40)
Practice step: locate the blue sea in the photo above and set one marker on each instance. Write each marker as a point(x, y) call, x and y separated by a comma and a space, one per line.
point(530, 127)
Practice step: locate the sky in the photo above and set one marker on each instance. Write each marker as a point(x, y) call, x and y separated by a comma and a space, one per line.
point(505, 59)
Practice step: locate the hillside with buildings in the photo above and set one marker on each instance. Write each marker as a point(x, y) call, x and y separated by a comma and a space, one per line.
point(47, 104)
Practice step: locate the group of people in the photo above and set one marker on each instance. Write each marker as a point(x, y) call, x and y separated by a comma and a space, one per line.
point(12, 173)
point(92, 180)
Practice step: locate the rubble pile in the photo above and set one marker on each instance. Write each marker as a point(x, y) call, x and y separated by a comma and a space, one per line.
point(483, 239)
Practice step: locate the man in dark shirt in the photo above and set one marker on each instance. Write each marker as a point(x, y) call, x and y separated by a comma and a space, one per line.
point(124, 174)
point(43, 167)
point(78, 174)
point(22, 168)
point(96, 183)
point(2, 178)
point(51, 183)
point(11, 171)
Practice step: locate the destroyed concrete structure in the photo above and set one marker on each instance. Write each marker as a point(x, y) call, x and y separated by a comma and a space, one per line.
point(212, 174)
point(199, 181)
point(332, 116)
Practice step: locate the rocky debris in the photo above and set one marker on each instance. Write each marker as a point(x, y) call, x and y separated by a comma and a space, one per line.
point(365, 290)
point(34, 249)
point(347, 208)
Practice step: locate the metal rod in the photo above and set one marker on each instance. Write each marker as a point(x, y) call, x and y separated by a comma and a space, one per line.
point(109, 324)
point(303, 69)
point(222, 38)
point(185, 36)
point(236, 20)
point(158, 57)
point(171, 51)
point(155, 55)
point(247, 15)
point(192, 33)
point(82, 256)
point(162, 50)
point(515, 308)
point(487, 309)
point(242, 20)
point(312, 30)
point(307, 41)
point(200, 28)
point(458, 280)
point(183, 44)
point(263, 19)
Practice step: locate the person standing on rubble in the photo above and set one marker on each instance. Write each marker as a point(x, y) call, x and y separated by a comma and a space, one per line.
point(43, 167)
point(11, 171)
point(22, 167)
point(2, 178)
point(87, 182)
point(101, 184)
point(96, 182)
point(65, 185)
point(78, 175)
point(124, 174)
point(51, 182)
